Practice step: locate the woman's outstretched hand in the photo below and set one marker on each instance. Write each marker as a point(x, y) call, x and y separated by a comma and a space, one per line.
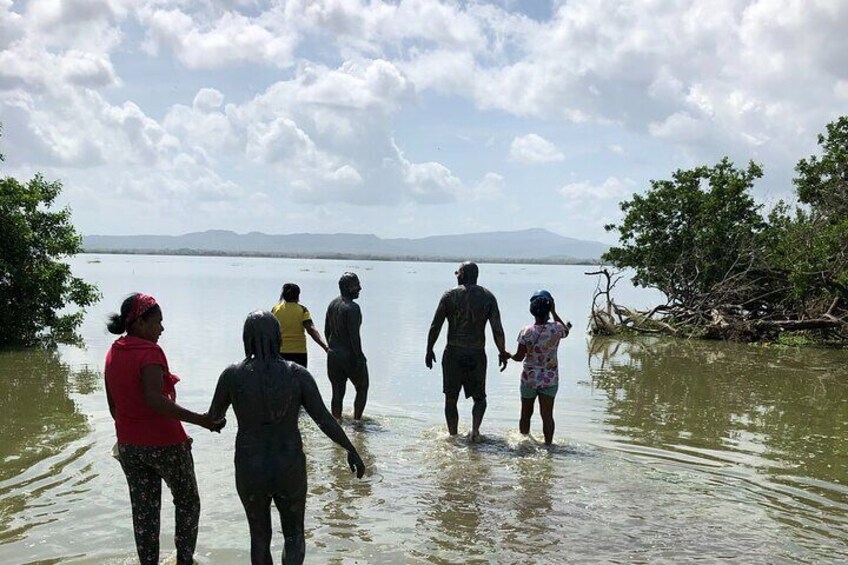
point(355, 463)
point(212, 425)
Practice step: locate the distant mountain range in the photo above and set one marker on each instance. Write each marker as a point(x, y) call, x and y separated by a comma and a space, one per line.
point(532, 245)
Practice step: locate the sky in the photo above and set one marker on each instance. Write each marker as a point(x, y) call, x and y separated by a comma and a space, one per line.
point(405, 118)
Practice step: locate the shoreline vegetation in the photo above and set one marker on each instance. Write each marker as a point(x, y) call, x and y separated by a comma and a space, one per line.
point(346, 256)
point(730, 268)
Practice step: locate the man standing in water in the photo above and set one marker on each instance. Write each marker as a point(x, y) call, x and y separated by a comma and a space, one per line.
point(467, 308)
point(345, 360)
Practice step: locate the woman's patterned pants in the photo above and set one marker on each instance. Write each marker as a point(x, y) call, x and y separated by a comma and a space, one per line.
point(145, 468)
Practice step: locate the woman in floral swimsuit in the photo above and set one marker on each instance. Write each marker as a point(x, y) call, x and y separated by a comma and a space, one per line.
point(537, 347)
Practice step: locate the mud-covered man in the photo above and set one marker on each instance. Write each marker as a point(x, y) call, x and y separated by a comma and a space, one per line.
point(345, 360)
point(467, 308)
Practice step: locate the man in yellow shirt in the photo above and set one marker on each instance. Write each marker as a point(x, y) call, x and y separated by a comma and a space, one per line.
point(295, 322)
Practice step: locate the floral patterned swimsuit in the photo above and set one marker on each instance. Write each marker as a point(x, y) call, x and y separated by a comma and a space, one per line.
point(540, 363)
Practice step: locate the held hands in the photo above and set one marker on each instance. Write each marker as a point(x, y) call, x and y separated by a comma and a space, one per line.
point(212, 425)
point(503, 357)
point(429, 359)
point(355, 463)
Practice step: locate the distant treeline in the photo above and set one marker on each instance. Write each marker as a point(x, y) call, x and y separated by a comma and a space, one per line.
point(346, 256)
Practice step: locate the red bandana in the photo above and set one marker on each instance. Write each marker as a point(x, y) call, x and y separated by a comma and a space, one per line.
point(141, 304)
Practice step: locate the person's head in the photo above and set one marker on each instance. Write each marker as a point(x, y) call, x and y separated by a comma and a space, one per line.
point(261, 336)
point(140, 316)
point(467, 273)
point(349, 285)
point(290, 293)
point(540, 305)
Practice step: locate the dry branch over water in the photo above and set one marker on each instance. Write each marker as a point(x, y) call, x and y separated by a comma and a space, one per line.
point(731, 322)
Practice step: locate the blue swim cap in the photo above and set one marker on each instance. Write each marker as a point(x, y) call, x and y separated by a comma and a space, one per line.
point(540, 303)
point(541, 293)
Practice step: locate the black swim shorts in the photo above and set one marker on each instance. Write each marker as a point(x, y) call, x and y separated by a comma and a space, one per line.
point(464, 368)
point(344, 368)
point(299, 358)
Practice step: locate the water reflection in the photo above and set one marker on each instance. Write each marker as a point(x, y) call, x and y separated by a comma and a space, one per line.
point(783, 412)
point(39, 422)
point(342, 511)
point(533, 522)
point(456, 507)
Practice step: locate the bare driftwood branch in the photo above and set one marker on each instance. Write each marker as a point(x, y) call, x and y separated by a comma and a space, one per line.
point(745, 306)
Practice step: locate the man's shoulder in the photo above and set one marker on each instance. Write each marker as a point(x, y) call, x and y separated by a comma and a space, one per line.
point(482, 292)
point(454, 292)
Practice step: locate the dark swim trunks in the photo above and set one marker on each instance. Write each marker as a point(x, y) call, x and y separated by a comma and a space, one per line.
point(341, 368)
point(299, 358)
point(464, 368)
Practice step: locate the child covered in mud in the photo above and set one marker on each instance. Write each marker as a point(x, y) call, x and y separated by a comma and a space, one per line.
point(537, 348)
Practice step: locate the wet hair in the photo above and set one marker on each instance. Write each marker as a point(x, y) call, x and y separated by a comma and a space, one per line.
point(116, 323)
point(290, 292)
point(467, 273)
point(347, 281)
point(540, 306)
point(261, 336)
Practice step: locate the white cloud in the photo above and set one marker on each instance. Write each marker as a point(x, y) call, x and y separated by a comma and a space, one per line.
point(87, 69)
point(611, 188)
point(490, 187)
point(369, 26)
point(225, 39)
point(430, 182)
point(532, 148)
point(324, 134)
point(207, 100)
point(311, 101)
point(10, 24)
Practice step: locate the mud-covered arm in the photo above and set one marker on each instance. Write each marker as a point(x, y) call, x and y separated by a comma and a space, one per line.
point(329, 330)
point(354, 321)
point(497, 327)
point(435, 330)
point(314, 405)
point(498, 334)
point(314, 334)
point(221, 400)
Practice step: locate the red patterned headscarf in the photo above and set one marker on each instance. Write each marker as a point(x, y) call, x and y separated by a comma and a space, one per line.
point(141, 304)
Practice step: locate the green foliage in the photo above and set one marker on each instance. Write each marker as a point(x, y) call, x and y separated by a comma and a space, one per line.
point(702, 240)
point(817, 242)
point(36, 286)
point(822, 182)
point(687, 234)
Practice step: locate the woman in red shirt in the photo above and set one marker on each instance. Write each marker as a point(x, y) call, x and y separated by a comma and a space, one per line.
point(152, 444)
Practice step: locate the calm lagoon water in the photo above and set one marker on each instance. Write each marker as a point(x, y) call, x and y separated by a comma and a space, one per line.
point(666, 451)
